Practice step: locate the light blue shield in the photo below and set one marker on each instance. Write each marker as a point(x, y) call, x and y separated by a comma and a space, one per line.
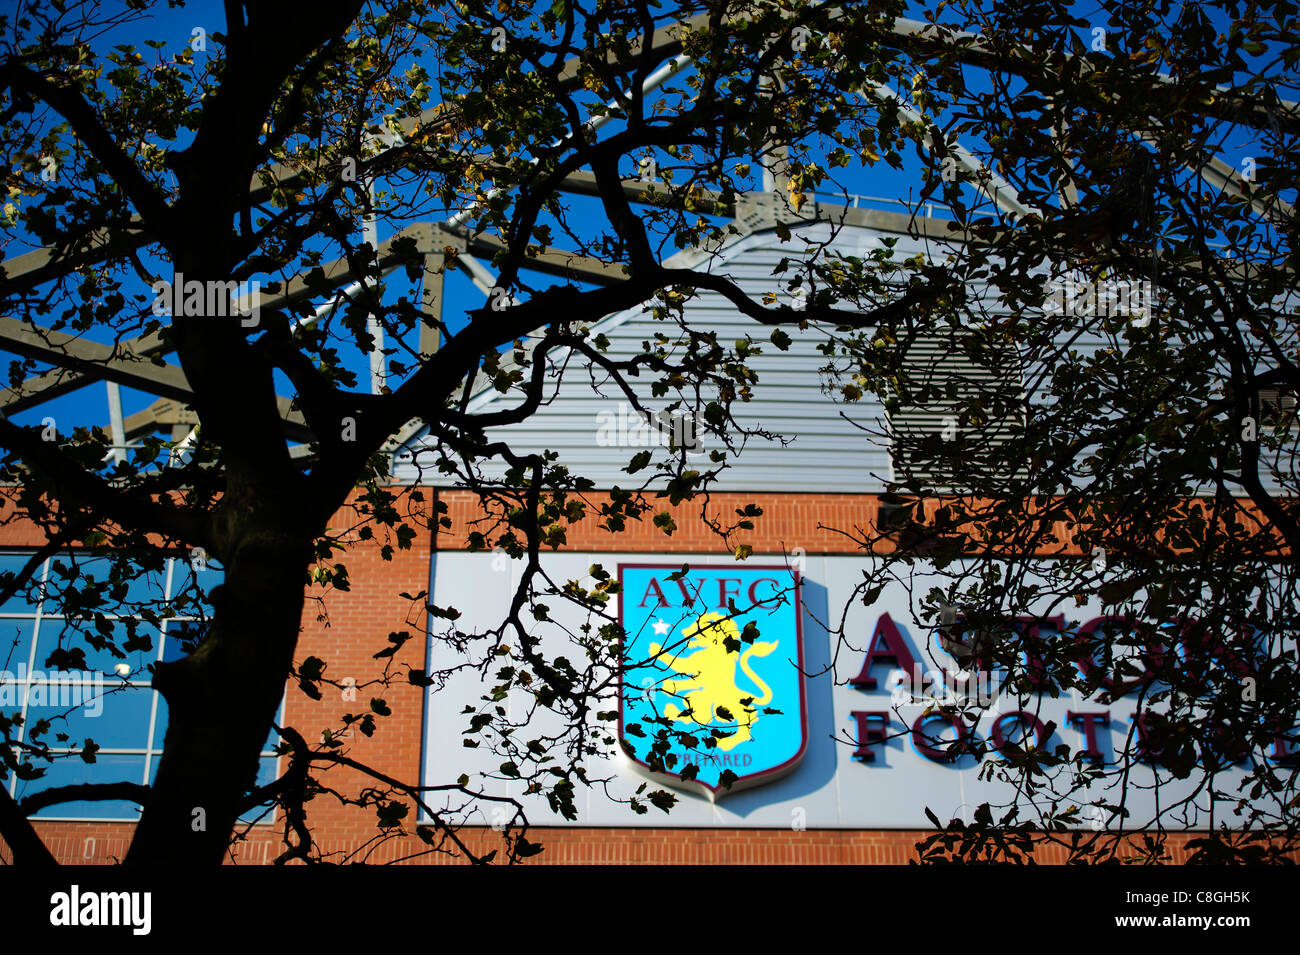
point(712, 692)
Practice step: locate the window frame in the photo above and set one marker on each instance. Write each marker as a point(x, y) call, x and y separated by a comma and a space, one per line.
point(106, 683)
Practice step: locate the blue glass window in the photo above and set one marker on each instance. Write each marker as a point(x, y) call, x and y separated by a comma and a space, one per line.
point(85, 676)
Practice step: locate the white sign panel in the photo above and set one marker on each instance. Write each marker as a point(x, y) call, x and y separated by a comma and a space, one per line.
point(875, 753)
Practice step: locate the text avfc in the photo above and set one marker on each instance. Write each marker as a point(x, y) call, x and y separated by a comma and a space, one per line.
point(706, 593)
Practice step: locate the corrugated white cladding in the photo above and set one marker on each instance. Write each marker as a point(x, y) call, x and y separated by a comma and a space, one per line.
point(825, 444)
point(590, 425)
point(873, 758)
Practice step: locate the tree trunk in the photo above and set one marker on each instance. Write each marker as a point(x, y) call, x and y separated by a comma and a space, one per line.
point(222, 699)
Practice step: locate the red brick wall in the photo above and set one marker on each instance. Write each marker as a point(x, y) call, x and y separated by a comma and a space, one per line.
point(788, 521)
point(346, 629)
point(814, 522)
point(92, 843)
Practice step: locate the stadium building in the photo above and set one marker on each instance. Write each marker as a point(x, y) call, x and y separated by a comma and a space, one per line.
point(840, 754)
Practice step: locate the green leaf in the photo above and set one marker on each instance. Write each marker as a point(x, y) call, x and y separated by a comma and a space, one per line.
point(639, 461)
point(662, 800)
point(391, 814)
point(525, 849)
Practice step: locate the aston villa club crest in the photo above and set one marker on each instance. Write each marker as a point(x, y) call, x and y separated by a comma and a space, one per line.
point(713, 689)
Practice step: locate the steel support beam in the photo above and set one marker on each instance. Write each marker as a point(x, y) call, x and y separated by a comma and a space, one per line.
point(431, 299)
point(115, 421)
point(553, 261)
point(1222, 176)
point(702, 201)
point(120, 364)
point(180, 419)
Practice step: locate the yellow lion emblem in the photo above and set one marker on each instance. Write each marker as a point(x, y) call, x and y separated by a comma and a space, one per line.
point(708, 678)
